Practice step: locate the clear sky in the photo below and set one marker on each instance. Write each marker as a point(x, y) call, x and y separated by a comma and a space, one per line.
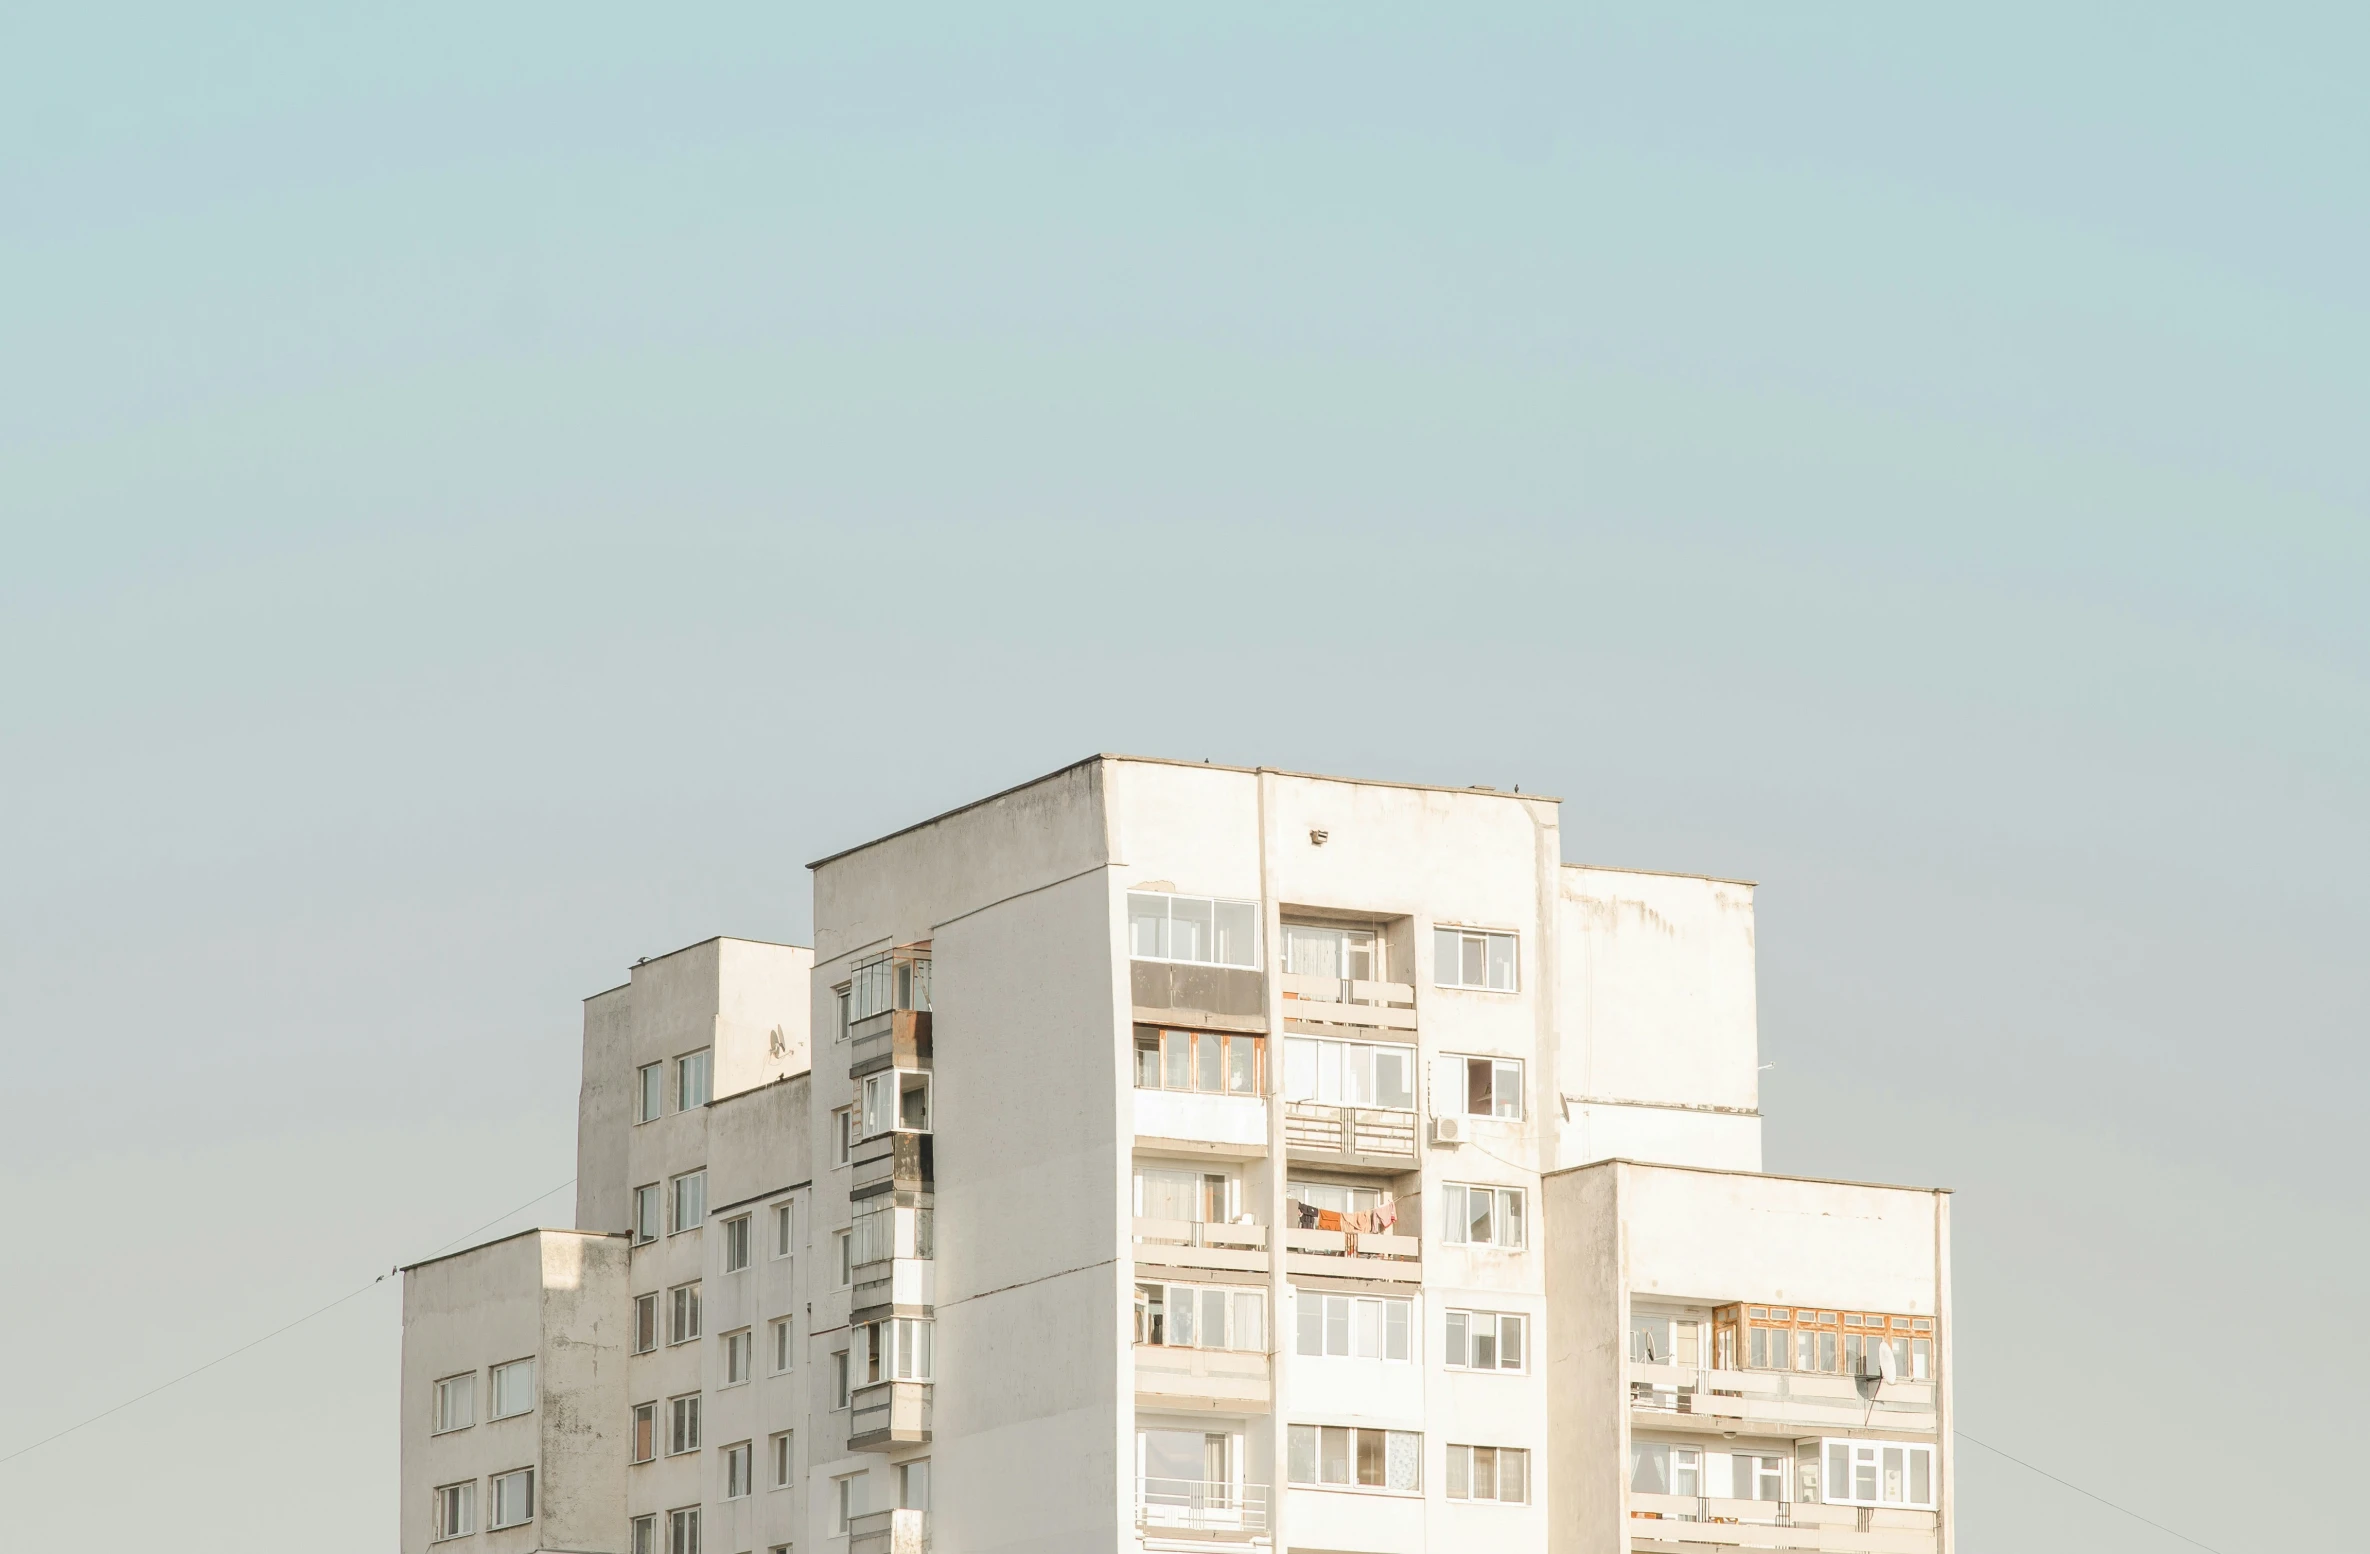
point(489, 491)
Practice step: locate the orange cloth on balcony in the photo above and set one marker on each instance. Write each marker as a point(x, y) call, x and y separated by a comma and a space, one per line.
point(1327, 1219)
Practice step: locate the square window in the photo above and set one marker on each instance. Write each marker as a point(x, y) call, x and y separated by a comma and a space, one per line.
point(455, 1404)
point(514, 1389)
point(514, 1497)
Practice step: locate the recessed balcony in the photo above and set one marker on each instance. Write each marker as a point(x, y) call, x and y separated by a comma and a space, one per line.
point(1689, 1524)
point(889, 1414)
point(1349, 1138)
point(1321, 1006)
point(894, 1038)
point(895, 1286)
point(889, 1532)
point(1177, 1508)
point(890, 1161)
point(1179, 1243)
point(1777, 1402)
point(1351, 1254)
point(1171, 1377)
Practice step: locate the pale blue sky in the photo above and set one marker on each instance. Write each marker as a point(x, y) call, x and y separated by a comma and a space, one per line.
point(489, 493)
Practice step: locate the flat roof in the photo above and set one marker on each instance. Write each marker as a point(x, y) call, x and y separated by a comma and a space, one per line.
point(1163, 760)
point(683, 949)
point(1765, 1176)
point(1668, 874)
point(531, 1230)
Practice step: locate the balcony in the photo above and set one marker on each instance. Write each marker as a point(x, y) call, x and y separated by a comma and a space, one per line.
point(1687, 1524)
point(1321, 1006)
point(894, 1038)
point(905, 1286)
point(1181, 1243)
point(1357, 1138)
point(1350, 1254)
point(889, 1532)
point(889, 1414)
point(1190, 1508)
point(1168, 1376)
point(1779, 1402)
point(890, 1161)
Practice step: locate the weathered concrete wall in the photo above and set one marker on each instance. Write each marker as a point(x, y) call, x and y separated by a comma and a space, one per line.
point(1588, 1421)
point(581, 1374)
point(604, 1111)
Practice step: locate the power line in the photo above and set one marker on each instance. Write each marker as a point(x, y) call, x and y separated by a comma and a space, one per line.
point(2079, 1490)
point(163, 1386)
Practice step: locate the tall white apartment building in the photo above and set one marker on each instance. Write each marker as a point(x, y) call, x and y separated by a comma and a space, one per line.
point(1172, 1157)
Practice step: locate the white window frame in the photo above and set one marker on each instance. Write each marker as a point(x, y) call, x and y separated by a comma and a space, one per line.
point(1235, 1299)
point(656, 1327)
point(1317, 1458)
point(1458, 1326)
point(684, 1314)
point(650, 1209)
point(843, 1252)
point(845, 1493)
point(650, 1093)
point(785, 1228)
point(781, 1452)
point(881, 1102)
point(683, 1530)
point(464, 1500)
point(1462, 1454)
point(1323, 1055)
point(740, 1466)
point(703, 1064)
point(842, 1378)
point(643, 1538)
point(897, 1349)
point(1169, 900)
point(783, 1351)
point(1342, 1322)
point(737, 1232)
point(1498, 1067)
point(643, 1413)
point(738, 1348)
point(1456, 1220)
point(526, 1476)
point(1875, 1450)
point(440, 1415)
point(843, 1134)
point(494, 1379)
point(683, 1424)
point(682, 1214)
point(1452, 974)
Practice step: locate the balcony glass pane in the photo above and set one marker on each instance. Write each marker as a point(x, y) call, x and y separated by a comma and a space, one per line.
point(1148, 926)
point(1311, 1323)
point(1238, 933)
point(1357, 1074)
point(1190, 929)
point(1394, 1078)
point(1250, 1321)
point(1405, 1468)
point(1209, 1062)
point(1179, 1047)
point(1333, 1455)
point(1501, 961)
point(1460, 1473)
point(1395, 1329)
point(1370, 1458)
point(1301, 1455)
point(1921, 1477)
point(1472, 966)
point(1213, 1321)
point(1300, 1069)
point(1242, 1065)
point(1446, 951)
point(1650, 1468)
point(1456, 1339)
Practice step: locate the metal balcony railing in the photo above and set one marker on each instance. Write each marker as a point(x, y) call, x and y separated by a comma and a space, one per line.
point(1199, 1505)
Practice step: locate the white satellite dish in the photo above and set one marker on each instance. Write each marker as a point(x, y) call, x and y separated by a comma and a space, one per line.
point(1886, 1365)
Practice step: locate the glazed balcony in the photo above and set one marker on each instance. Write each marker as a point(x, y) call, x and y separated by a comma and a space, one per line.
point(894, 1038)
point(899, 1162)
point(889, 1414)
point(889, 1532)
point(1322, 1006)
point(1777, 1402)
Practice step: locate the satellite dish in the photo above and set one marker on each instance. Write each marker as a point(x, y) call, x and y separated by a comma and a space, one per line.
point(1886, 1365)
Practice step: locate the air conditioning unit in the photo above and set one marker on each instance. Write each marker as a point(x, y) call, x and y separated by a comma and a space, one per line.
point(1450, 1130)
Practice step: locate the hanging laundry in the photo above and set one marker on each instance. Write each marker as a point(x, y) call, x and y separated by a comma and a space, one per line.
point(1327, 1219)
point(1386, 1216)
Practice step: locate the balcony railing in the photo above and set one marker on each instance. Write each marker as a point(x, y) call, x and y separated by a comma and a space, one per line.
point(1196, 1505)
point(888, 1413)
point(1182, 1243)
point(894, 1038)
point(1786, 1399)
point(895, 1281)
point(901, 1160)
point(1696, 1524)
point(1326, 1001)
point(1207, 1378)
point(1350, 1135)
point(1354, 1255)
point(889, 1532)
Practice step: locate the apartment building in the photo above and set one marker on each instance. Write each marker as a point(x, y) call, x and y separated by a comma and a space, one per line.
point(1185, 1158)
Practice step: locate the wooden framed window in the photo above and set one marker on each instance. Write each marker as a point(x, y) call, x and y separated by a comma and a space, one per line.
point(1206, 1062)
point(1835, 1343)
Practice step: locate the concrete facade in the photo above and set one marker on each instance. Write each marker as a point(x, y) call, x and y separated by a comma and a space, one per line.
point(1187, 1157)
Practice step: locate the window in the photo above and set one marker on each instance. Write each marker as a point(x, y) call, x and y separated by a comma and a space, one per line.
point(645, 1540)
point(839, 1378)
point(1659, 1338)
point(847, 1501)
point(1877, 1473)
point(737, 1463)
point(882, 1230)
point(843, 1134)
point(897, 1350)
point(683, 1530)
point(1492, 1088)
point(1801, 1338)
point(514, 1389)
point(782, 1349)
point(645, 1323)
point(784, 1220)
point(1335, 1198)
point(895, 1101)
point(1177, 1192)
point(1485, 1341)
point(456, 1404)
point(1198, 929)
point(1470, 957)
point(1752, 1477)
point(1357, 1327)
point(514, 1497)
point(1659, 1468)
point(1211, 1062)
point(839, 996)
point(1359, 1459)
point(1196, 1316)
point(843, 1256)
point(1346, 954)
point(913, 1485)
point(456, 1510)
point(646, 1214)
point(736, 1357)
point(691, 1079)
point(683, 1313)
point(688, 1194)
point(645, 1441)
point(736, 1243)
point(682, 1424)
point(1481, 1216)
point(1351, 1073)
point(650, 1083)
point(1500, 1473)
point(1186, 1469)
point(780, 1456)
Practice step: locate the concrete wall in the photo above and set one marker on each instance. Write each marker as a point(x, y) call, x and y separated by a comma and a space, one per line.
point(1588, 1420)
point(604, 1111)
